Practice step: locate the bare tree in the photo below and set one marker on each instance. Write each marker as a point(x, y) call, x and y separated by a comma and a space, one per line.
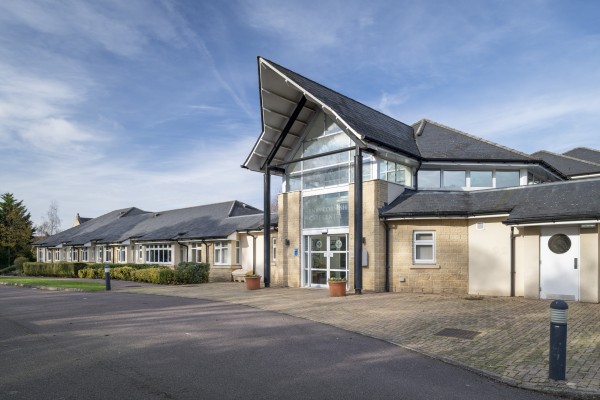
point(51, 224)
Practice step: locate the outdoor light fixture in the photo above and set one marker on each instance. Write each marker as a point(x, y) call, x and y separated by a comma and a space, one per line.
point(286, 242)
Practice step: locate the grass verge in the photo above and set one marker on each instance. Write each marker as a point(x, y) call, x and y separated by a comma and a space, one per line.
point(54, 283)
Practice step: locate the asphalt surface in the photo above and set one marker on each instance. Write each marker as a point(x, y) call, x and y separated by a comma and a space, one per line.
point(72, 345)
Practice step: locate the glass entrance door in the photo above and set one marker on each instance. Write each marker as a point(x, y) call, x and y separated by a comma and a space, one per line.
point(325, 256)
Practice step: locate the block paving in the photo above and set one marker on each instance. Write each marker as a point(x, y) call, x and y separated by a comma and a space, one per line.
point(512, 345)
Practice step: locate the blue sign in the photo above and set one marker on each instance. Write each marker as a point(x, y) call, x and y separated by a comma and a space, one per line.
point(296, 252)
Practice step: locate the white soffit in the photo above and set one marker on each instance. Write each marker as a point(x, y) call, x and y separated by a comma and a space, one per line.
point(279, 98)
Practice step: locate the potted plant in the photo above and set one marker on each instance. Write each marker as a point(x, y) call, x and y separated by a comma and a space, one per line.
point(252, 280)
point(337, 287)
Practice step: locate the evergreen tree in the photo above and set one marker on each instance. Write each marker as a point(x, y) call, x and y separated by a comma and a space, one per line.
point(16, 230)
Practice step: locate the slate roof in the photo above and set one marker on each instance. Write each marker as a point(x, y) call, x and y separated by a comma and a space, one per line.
point(375, 126)
point(561, 201)
point(584, 153)
point(203, 222)
point(439, 142)
point(568, 165)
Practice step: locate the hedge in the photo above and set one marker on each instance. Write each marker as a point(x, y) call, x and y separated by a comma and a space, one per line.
point(63, 269)
point(184, 273)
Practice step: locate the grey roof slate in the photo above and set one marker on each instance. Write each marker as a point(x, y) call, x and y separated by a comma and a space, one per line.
point(203, 222)
point(375, 126)
point(584, 153)
point(439, 142)
point(568, 165)
point(571, 200)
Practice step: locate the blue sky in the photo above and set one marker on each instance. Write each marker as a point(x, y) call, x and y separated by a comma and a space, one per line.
point(107, 104)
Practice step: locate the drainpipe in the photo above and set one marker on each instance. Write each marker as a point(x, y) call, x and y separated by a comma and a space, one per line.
point(267, 228)
point(358, 220)
point(206, 246)
point(387, 256)
point(253, 252)
point(512, 261)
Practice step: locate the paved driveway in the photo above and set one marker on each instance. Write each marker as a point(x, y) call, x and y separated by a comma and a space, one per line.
point(71, 345)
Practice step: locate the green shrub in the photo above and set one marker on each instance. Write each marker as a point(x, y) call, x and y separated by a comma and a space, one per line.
point(18, 263)
point(188, 272)
point(121, 273)
point(91, 273)
point(61, 269)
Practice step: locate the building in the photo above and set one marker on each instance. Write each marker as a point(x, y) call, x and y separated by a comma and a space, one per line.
point(225, 235)
point(436, 211)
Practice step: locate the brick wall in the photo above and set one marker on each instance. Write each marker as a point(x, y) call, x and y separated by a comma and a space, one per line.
point(450, 272)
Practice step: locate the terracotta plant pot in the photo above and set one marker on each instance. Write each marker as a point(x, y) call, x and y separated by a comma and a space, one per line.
point(252, 282)
point(337, 288)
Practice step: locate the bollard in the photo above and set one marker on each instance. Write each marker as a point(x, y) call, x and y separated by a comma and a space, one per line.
point(558, 340)
point(107, 276)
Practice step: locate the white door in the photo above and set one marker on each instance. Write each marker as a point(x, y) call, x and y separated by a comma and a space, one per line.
point(559, 269)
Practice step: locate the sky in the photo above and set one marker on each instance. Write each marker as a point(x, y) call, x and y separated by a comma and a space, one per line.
point(154, 104)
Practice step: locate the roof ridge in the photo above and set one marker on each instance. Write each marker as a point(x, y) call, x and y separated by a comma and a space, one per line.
point(480, 139)
point(332, 90)
point(584, 148)
point(568, 157)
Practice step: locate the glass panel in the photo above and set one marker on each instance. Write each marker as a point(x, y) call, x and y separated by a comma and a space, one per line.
point(455, 179)
point(318, 243)
point(337, 243)
point(507, 179)
point(338, 261)
point(338, 274)
point(326, 177)
point(319, 277)
point(327, 210)
point(481, 178)
point(559, 243)
point(424, 252)
point(429, 179)
point(323, 145)
point(424, 236)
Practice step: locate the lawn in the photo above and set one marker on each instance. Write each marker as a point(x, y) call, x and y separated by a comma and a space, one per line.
point(55, 283)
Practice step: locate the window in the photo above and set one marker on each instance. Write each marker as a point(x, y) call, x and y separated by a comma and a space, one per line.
point(429, 179)
point(85, 254)
point(221, 252)
point(100, 252)
point(196, 252)
point(69, 252)
point(395, 172)
point(507, 179)
point(424, 247)
point(274, 249)
point(159, 253)
point(140, 253)
point(481, 179)
point(41, 254)
point(237, 252)
point(122, 254)
point(108, 254)
point(455, 179)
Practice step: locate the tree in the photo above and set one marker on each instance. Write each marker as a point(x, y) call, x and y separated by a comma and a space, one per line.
point(51, 224)
point(16, 229)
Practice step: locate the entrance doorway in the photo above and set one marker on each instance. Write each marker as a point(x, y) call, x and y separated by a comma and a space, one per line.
point(325, 256)
point(559, 269)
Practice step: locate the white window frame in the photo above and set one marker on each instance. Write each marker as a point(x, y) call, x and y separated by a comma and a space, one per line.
point(274, 248)
point(221, 252)
point(85, 254)
point(159, 254)
point(196, 252)
point(57, 257)
point(424, 242)
point(238, 254)
point(108, 254)
point(122, 254)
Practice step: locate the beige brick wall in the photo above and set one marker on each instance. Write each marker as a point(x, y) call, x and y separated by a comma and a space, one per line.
point(448, 275)
point(286, 270)
point(374, 196)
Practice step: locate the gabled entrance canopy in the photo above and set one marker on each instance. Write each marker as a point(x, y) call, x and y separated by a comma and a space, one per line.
point(289, 101)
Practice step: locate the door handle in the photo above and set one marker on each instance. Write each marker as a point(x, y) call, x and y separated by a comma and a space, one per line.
point(574, 263)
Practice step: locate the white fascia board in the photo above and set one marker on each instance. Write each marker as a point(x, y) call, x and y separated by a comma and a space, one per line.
point(584, 176)
point(315, 100)
point(422, 218)
point(571, 222)
point(473, 164)
point(488, 216)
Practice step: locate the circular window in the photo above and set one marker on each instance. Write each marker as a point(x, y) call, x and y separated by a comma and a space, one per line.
point(559, 243)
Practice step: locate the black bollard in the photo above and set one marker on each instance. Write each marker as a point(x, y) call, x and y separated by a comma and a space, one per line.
point(558, 340)
point(107, 276)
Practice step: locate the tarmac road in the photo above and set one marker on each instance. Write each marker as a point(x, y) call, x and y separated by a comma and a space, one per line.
point(110, 345)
